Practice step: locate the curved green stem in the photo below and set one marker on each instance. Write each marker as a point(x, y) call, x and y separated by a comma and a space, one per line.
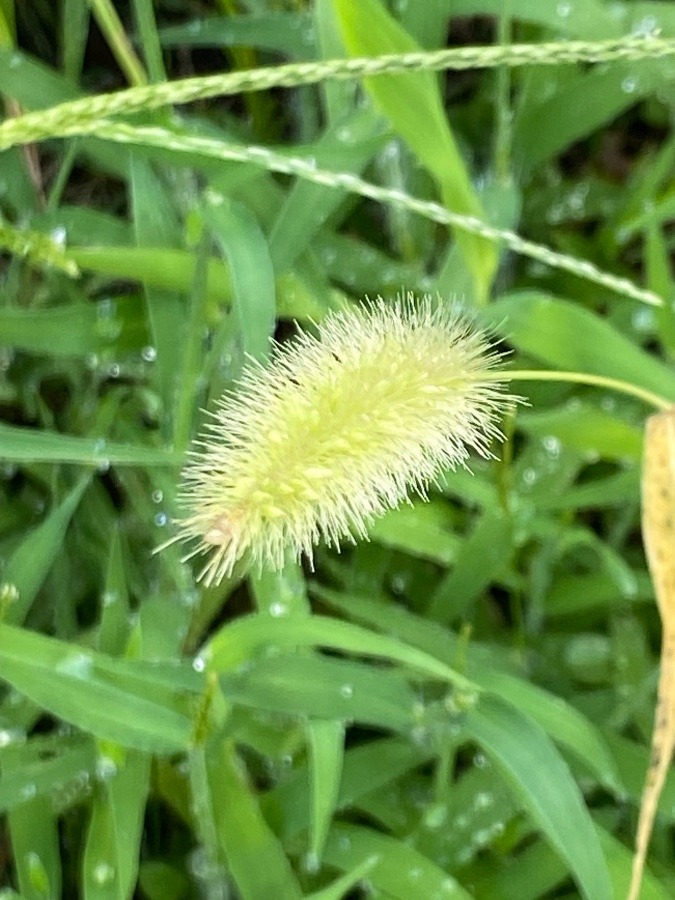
point(615, 384)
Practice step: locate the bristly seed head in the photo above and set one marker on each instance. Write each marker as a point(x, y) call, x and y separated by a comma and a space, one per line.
point(336, 430)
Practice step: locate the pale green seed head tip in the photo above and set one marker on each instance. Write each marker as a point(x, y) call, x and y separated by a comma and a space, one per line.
point(337, 430)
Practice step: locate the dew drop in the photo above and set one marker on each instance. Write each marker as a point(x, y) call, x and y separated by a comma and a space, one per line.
point(555, 214)
point(9, 594)
point(483, 800)
point(199, 664)
point(149, 353)
point(642, 320)
point(630, 84)
point(214, 198)
point(435, 816)
point(28, 791)
point(647, 27)
point(103, 873)
point(108, 326)
point(564, 8)
point(311, 863)
point(529, 477)
point(189, 599)
point(346, 691)
point(77, 665)
point(398, 584)
point(552, 446)
point(161, 519)
point(110, 598)
point(577, 199)
point(58, 235)
point(464, 856)
point(278, 609)
point(418, 711)
point(106, 768)
point(481, 761)
point(11, 736)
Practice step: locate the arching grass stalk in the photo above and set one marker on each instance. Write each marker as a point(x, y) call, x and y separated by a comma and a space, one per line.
point(278, 162)
point(58, 121)
point(613, 384)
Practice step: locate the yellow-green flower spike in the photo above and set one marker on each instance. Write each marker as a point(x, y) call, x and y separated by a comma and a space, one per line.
point(336, 430)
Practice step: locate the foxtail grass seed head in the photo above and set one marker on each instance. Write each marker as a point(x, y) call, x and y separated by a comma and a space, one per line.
point(337, 430)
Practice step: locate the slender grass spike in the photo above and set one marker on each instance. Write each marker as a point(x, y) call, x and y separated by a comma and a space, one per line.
point(337, 430)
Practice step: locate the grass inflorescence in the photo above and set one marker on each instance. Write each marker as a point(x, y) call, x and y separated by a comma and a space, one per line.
point(337, 429)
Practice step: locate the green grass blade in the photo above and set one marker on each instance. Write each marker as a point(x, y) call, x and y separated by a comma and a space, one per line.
point(114, 629)
point(253, 293)
point(155, 222)
point(281, 593)
point(73, 330)
point(34, 836)
point(422, 531)
point(244, 638)
point(44, 767)
point(620, 861)
point(25, 445)
point(324, 688)
point(562, 721)
point(80, 687)
point(28, 566)
point(401, 871)
point(341, 887)
point(588, 428)
point(113, 843)
point(326, 748)
point(74, 30)
point(351, 144)
point(416, 631)
point(412, 102)
point(366, 768)
point(280, 32)
point(546, 127)
point(480, 559)
point(175, 270)
point(254, 855)
point(591, 19)
point(7, 23)
point(537, 773)
point(152, 48)
point(566, 336)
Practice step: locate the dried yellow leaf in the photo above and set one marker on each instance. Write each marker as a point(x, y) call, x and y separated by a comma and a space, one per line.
point(658, 532)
